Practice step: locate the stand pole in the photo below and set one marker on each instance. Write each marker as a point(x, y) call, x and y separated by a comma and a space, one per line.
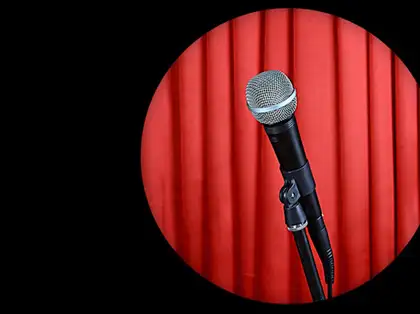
point(309, 267)
point(296, 222)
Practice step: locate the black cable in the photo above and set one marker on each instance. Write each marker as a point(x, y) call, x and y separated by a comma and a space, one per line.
point(330, 290)
point(329, 272)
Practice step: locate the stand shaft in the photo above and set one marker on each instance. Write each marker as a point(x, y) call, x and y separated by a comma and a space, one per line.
point(308, 263)
point(296, 222)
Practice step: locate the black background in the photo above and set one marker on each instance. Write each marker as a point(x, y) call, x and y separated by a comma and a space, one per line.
point(141, 42)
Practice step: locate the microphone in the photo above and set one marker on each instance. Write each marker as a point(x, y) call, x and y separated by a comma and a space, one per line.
point(272, 100)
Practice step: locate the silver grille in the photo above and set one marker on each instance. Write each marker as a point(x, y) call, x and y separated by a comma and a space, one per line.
point(267, 89)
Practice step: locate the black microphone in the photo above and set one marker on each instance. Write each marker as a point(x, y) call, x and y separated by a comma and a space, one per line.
point(272, 100)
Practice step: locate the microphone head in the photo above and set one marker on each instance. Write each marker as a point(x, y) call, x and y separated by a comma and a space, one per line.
point(271, 97)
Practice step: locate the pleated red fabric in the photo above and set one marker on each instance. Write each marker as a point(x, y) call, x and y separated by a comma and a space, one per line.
point(212, 179)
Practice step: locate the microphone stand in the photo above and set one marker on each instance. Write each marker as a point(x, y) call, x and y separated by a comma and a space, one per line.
point(296, 223)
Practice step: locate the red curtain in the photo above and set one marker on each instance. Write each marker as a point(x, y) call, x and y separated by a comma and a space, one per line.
point(212, 179)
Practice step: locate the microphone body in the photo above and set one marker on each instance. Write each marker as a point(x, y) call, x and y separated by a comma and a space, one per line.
point(287, 144)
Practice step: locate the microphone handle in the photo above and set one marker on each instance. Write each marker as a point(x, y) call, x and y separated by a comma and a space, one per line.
point(287, 144)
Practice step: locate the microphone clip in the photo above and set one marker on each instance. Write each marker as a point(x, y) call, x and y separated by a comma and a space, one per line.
point(295, 217)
